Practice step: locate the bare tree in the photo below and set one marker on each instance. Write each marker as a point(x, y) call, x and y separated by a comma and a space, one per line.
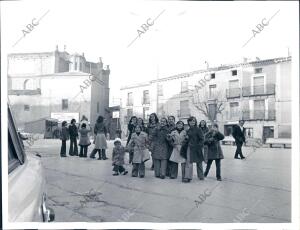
point(209, 105)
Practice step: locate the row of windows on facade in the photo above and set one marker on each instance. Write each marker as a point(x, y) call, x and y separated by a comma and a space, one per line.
point(64, 105)
point(258, 88)
point(259, 112)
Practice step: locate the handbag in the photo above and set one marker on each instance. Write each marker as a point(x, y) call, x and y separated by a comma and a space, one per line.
point(183, 150)
point(145, 155)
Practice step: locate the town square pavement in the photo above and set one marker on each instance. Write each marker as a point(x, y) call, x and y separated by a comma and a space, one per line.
point(257, 189)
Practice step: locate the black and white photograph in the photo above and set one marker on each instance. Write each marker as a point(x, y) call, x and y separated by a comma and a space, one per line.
point(150, 114)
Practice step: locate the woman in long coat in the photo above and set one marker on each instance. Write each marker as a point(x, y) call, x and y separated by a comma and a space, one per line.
point(171, 128)
point(139, 141)
point(152, 125)
point(160, 149)
point(100, 139)
point(193, 153)
point(176, 138)
point(212, 140)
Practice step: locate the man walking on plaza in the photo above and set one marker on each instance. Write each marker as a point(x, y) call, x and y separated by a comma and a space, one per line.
point(238, 134)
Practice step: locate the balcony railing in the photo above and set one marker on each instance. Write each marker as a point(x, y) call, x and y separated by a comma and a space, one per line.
point(184, 113)
point(258, 90)
point(252, 115)
point(259, 115)
point(233, 93)
point(19, 92)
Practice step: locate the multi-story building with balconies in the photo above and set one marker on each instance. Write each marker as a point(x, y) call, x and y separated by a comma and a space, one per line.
point(42, 85)
point(258, 92)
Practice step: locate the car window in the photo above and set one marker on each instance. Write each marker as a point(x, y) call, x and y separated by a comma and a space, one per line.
point(16, 154)
point(13, 161)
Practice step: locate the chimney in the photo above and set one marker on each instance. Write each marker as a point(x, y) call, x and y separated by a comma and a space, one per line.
point(82, 54)
point(107, 67)
point(245, 60)
point(56, 48)
point(65, 47)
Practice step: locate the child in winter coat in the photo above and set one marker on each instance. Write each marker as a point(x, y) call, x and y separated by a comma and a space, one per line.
point(212, 140)
point(139, 142)
point(118, 158)
point(84, 140)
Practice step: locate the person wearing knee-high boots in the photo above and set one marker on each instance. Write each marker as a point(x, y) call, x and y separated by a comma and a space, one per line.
point(176, 138)
point(100, 139)
point(215, 153)
point(160, 149)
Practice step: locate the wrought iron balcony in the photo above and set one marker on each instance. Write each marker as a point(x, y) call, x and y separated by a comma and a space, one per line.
point(258, 90)
point(233, 93)
point(258, 115)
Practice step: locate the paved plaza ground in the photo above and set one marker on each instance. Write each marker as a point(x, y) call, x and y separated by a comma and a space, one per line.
point(257, 189)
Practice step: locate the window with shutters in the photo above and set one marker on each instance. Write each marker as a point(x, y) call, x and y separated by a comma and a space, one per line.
point(130, 99)
point(146, 98)
point(259, 109)
point(258, 85)
point(184, 86)
point(184, 109)
point(65, 104)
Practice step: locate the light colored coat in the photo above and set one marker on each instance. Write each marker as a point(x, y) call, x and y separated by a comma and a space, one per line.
point(140, 143)
point(118, 156)
point(176, 140)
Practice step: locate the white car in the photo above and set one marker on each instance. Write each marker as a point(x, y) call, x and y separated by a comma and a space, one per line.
point(26, 182)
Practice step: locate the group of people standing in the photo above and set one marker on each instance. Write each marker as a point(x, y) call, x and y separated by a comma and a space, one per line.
point(171, 144)
point(82, 131)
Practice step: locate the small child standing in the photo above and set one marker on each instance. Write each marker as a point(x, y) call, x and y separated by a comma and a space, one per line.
point(84, 140)
point(64, 136)
point(118, 158)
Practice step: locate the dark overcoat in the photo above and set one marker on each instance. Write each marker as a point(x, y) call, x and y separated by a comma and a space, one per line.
point(238, 134)
point(73, 131)
point(212, 140)
point(195, 143)
point(160, 145)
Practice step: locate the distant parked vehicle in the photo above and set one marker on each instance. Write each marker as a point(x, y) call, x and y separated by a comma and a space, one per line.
point(27, 199)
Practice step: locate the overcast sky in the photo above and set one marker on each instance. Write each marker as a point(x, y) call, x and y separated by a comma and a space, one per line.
point(182, 38)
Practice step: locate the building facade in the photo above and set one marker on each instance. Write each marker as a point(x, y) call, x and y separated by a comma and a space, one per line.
point(257, 92)
point(43, 85)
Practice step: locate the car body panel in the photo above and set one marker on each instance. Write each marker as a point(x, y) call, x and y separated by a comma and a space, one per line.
point(26, 185)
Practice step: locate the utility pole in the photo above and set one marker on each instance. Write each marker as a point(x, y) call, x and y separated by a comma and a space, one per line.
point(157, 97)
